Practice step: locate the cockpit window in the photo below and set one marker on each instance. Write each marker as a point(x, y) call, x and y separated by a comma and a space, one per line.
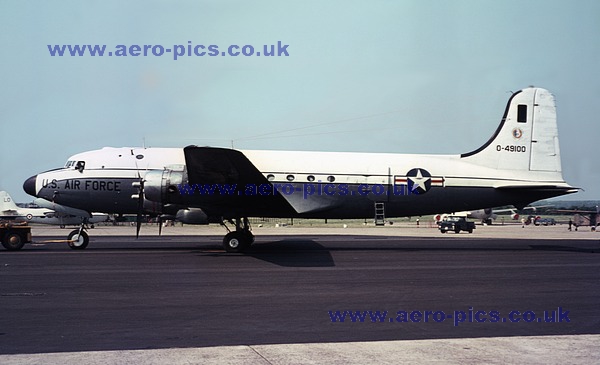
point(69, 164)
point(80, 165)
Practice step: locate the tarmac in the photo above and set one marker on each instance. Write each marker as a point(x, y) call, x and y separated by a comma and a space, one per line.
point(404, 229)
point(174, 299)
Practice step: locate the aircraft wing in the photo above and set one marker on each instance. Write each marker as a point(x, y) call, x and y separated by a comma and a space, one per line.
point(213, 165)
point(10, 214)
point(57, 210)
point(576, 211)
point(512, 210)
point(505, 210)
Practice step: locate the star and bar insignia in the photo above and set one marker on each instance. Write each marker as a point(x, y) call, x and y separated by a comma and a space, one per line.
point(418, 180)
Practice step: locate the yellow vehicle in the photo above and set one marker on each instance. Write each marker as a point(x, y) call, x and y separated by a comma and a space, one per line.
point(14, 235)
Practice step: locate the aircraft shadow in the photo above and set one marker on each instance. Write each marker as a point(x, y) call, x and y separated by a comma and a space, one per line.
point(286, 253)
point(293, 253)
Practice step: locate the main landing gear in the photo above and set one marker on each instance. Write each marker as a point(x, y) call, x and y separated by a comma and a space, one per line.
point(240, 239)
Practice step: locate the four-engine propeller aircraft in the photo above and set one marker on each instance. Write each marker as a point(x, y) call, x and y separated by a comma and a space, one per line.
point(518, 165)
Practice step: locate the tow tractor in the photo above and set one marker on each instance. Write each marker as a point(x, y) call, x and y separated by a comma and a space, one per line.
point(14, 235)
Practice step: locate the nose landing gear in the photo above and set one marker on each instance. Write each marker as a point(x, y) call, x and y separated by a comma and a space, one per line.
point(78, 239)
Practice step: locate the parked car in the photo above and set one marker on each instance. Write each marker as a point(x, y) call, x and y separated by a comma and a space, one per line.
point(455, 224)
point(545, 222)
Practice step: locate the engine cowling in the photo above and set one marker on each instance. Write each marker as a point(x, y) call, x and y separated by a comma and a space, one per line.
point(160, 185)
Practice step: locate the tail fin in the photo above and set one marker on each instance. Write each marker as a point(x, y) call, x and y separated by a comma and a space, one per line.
point(527, 138)
point(6, 202)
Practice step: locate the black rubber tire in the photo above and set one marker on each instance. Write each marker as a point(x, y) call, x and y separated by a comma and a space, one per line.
point(250, 237)
point(13, 242)
point(236, 242)
point(81, 242)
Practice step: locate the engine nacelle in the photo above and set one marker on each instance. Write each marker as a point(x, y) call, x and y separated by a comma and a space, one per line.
point(192, 216)
point(160, 185)
point(161, 188)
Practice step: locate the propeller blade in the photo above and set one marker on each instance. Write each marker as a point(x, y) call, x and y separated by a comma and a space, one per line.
point(160, 224)
point(138, 226)
point(140, 209)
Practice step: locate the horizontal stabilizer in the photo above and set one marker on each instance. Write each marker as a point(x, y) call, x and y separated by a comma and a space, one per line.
point(541, 187)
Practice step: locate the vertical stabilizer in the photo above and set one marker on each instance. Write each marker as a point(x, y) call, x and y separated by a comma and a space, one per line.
point(6, 202)
point(527, 137)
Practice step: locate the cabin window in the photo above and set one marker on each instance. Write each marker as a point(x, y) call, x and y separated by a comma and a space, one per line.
point(330, 179)
point(290, 178)
point(310, 178)
point(270, 177)
point(522, 114)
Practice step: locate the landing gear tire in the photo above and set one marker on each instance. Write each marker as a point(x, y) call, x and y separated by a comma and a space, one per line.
point(13, 242)
point(78, 240)
point(249, 237)
point(456, 230)
point(236, 242)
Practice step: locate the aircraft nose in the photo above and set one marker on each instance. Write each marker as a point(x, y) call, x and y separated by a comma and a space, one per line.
point(29, 185)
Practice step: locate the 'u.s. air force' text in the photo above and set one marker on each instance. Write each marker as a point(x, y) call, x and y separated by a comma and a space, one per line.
point(76, 184)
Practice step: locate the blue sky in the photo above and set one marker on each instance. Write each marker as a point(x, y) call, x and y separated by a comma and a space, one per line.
point(374, 76)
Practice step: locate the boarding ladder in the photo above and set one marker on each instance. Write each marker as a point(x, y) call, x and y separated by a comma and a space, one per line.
point(379, 213)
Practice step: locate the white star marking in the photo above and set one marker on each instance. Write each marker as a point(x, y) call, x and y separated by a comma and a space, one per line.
point(418, 181)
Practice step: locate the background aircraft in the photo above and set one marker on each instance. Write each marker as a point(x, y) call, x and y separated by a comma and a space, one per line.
point(488, 215)
point(10, 211)
point(584, 217)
